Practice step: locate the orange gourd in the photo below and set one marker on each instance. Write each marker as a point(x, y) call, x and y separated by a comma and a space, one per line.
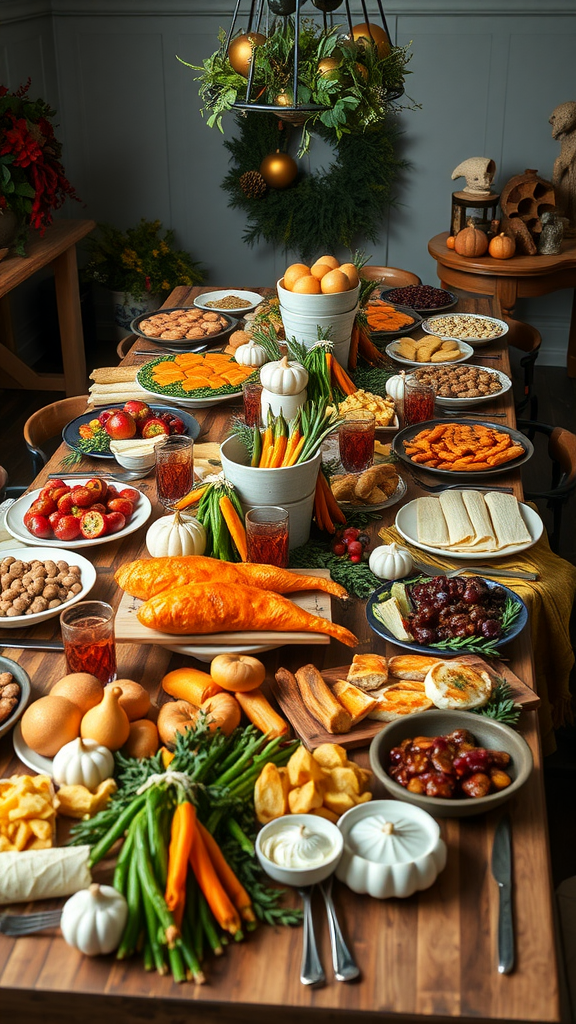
point(223, 712)
point(450, 242)
point(143, 739)
point(502, 247)
point(237, 672)
point(107, 723)
point(190, 684)
point(471, 241)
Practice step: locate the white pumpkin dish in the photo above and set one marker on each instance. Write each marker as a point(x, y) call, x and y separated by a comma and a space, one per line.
point(251, 354)
point(390, 562)
point(176, 535)
point(93, 920)
point(55, 554)
point(248, 300)
point(284, 377)
point(82, 762)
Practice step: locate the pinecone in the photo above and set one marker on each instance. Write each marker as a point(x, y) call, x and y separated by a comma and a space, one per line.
point(252, 184)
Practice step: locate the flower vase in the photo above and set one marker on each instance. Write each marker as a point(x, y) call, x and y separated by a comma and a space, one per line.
point(127, 307)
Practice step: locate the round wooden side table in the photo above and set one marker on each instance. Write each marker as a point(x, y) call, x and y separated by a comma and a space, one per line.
point(521, 277)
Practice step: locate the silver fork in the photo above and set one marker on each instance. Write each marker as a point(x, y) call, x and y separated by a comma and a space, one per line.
point(24, 924)
point(487, 570)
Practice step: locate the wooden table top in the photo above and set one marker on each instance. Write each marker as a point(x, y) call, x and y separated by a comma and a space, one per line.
point(429, 957)
point(516, 266)
point(59, 237)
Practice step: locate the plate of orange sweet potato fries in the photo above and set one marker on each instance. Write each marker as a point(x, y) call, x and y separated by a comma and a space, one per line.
point(389, 318)
point(465, 449)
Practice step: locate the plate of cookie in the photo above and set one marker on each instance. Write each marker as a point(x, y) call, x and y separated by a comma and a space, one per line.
point(429, 351)
point(183, 326)
point(375, 488)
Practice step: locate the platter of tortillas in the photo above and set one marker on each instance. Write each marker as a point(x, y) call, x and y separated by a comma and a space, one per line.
point(469, 524)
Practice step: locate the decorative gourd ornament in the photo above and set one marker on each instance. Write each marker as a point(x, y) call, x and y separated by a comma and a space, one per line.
point(278, 169)
point(395, 386)
point(93, 920)
point(502, 247)
point(176, 535)
point(390, 562)
point(284, 378)
point(237, 672)
point(251, 354)
point(329, 68)
point(450, 242)
point(241, 51)
point(471, 241)
point(107, 723)
point(82, 763)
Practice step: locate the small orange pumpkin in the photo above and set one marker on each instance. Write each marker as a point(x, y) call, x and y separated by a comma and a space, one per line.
point(471, 241)
point(450, 242)
point(502, 247)
point(223, 712)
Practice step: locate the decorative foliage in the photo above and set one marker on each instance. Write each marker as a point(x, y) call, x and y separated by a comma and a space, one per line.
point(32, 179)
point(139, 260)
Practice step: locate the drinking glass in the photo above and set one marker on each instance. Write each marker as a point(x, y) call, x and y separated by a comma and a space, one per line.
point(267, 536)
point(356, 441)
point(88, 635)
point(418, 401)
point(174, 469)
point(252, 395)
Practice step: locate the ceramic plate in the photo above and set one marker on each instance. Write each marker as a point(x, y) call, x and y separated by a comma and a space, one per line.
point(450, 303)
point(200, 402)
point(206, 654)
point(71, 437)
point(409, 432)
point(88, 579)
point(429, 326)
point(442, 652)
point(465, 403)
point(383, 433)
point(403, 330)
point(252, 298)
point(184, 343)
point(407, 527)
point(465, 350)
point(29, 757)
point(21, 677)
point(15, 521)
point(348, 506)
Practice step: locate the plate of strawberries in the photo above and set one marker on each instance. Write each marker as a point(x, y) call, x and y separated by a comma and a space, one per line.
point(91, 433)
point(79, 514)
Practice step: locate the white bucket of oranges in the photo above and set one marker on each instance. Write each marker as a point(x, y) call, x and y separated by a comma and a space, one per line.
point(325, 288)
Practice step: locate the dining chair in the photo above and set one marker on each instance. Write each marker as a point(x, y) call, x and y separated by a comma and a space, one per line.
point(123, 347)
point(391, 277)
point(562, 454)
point(526, 338)
point(5, 490)
point(48, 422)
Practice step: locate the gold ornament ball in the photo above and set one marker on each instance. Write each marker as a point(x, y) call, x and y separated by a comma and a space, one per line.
point(328, 68)
point(283, 100)
point(369, 33)
point(241, 50)
point(278, 170)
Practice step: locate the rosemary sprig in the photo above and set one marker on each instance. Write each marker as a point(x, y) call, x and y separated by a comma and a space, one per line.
point(501, 707)
point(357, 578)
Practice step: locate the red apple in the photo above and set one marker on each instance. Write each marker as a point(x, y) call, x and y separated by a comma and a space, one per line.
point(115, 521)
point(139, 411)
point(154, 427)
point(67, 528)
point(39, 526)
point(121, 426)
point(177, 426)
point(105, 416)
point(82, 496)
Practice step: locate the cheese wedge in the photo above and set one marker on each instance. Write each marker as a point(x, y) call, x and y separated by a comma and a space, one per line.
point(452, 686)
point(411, 666)
point(368, 671)
point(395, 702)
point(357, 703)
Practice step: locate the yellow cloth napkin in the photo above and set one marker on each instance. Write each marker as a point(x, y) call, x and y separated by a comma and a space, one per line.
point(549, 600)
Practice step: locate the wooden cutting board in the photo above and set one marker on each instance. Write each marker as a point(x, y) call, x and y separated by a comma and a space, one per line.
point(312, 733)
point(129, 630)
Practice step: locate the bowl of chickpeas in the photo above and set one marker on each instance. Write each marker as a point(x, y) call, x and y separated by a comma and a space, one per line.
point(37, 583)
point(473, 328)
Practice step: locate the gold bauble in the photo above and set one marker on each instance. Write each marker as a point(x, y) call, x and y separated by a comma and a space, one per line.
point(370, 33)
point(278, 169)
point(328, 68)
point(241, 50)
point(283, 100)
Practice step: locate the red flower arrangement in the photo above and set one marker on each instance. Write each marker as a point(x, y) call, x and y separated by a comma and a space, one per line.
point(32, 179)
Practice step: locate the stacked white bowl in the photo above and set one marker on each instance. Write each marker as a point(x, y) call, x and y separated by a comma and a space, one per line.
point(303, 314)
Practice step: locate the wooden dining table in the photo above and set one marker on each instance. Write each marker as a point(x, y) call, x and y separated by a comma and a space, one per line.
point(430, 957)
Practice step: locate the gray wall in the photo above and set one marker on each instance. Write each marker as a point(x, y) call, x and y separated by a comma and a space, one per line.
point(488, 73)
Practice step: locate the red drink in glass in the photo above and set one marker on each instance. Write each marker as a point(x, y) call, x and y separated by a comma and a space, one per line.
point(267, 536)
point(356, 441)
point(174, 469)
point(252, 395)
point(418, 402)
point(88, 635)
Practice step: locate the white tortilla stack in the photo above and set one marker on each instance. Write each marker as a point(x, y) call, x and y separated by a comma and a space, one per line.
point(431, 524)
point(509, 526)
point(468, 520)
point(460, 529)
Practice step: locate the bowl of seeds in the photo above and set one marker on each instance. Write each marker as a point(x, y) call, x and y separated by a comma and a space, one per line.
point(473, 328)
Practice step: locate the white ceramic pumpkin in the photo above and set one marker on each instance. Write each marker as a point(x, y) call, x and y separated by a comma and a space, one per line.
point(395, 386)
point(283, 377)
point(93, 919)
point(83, 763)
point(176, 535)
point(390, 562)
point(251, 354)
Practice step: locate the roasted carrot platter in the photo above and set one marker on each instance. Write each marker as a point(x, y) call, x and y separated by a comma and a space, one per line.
point(194, 375)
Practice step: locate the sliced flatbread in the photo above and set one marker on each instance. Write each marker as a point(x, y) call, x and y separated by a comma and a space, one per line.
point(477, 509)
point(356, 702)
point(395, 702)
point(368, 671)
point(411, 666)
point(452, 686)
point(431, 525)
point(509, 526)
point(460, 529)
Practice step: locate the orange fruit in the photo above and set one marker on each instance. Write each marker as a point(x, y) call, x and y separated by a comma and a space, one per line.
point(294, 271)
point(330, 260)
point(319, 270)
point(307, 285)
point(351, 273)
point(335, 281)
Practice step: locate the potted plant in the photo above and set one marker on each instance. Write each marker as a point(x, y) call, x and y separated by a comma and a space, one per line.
point(140, 266)
point(32, 179)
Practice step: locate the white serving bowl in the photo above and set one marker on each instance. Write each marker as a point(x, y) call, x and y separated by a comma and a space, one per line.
point(137, 463)
point(323, 305)
point(301, 876)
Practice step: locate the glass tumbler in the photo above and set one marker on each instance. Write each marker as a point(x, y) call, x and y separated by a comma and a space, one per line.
point(356, 441)
point(419, 401)
point(88, 635)
point(252, 395)
point(267, 536)
point(174, 469)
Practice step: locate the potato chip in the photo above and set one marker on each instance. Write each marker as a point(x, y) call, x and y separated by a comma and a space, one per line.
point(305, 798)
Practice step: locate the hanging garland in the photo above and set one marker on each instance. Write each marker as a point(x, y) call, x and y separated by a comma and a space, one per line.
point(320, 212)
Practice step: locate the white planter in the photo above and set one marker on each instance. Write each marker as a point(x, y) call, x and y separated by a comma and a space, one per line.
point(304, 328)
point(319, 305)
point(288, 405)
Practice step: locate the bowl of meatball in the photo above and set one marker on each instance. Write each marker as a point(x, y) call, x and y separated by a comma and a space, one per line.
point(453, 764)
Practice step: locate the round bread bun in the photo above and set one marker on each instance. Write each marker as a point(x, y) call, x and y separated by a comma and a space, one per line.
point(135, 700)
point(452, 686)
point(49, 723)
point(82, 689)
point(237, 672)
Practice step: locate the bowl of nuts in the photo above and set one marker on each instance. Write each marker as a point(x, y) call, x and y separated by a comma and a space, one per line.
point(472, 328)
point(461, 386)
point(38, 582)
point(15, 692)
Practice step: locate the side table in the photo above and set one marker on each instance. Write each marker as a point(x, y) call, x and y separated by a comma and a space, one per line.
point(521, 277)
point(58, 247)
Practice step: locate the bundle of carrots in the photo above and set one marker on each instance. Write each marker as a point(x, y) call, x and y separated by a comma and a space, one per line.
point(360, 344)
point(327, 511)
point(220, 513)
point(284, 444)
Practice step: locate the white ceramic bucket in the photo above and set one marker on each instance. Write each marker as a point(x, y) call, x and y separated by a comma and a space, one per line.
point(291, 487)
point(288, 405)
point(304, 328)
point(318, 305)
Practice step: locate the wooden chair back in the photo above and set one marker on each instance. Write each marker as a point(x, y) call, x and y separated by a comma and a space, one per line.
point(123, 347)
point(523, 336)
point(48, 422)
point(391, 277)
point(562, 453)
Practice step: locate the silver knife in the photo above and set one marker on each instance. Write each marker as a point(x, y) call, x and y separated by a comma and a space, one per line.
point(33, 645)
point(502, 872)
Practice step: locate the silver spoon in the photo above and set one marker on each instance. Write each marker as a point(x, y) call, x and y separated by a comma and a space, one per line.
point(311, 970)
point(345, 967)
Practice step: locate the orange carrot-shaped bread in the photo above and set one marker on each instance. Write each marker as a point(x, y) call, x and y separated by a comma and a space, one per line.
point(226, 607)
point(147, 577)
